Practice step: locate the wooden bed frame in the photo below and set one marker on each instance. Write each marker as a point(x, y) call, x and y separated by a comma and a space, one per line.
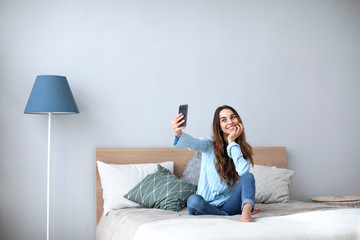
point(268, 156)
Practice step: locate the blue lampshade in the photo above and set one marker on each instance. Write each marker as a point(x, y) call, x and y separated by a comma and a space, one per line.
point(51, 94)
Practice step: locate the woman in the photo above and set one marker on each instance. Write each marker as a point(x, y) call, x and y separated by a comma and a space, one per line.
point(226, 187)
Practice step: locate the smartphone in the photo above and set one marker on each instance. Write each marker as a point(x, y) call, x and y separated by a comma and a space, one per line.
point(184, 110)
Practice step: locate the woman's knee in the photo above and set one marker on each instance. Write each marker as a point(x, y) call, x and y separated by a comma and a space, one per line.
point(194, 203)
point(248, 177)
point(194, 200)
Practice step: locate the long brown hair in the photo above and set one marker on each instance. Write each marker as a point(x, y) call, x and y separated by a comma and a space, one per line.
point(224, 164)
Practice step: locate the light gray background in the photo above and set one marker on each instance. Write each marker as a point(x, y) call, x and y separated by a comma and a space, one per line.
point(290, 68)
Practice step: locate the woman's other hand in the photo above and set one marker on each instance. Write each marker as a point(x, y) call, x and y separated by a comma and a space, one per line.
point(175, 124)
point(235, 133)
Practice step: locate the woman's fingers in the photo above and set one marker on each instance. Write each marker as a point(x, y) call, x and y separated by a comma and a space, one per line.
point(175, 124)
point(181, 128)
point(241, 128)
point(179, 117)
point(176, 119)
point(238, 130)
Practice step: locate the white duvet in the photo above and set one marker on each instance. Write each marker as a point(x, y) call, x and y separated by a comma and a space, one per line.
point(294, 220)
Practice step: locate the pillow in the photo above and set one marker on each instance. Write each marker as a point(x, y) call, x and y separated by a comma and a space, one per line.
point(272, 184)
point(162, 190)
point(118, 179)
point(191, 172)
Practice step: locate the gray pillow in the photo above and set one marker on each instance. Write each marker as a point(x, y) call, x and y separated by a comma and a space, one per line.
point(161, 190)
point(272, 184)
point(191, 172)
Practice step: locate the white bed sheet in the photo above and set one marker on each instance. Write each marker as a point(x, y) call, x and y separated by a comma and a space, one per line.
point(293, 220)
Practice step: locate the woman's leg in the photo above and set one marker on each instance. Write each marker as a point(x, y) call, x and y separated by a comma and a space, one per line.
point(244, 193)
point(198, 206)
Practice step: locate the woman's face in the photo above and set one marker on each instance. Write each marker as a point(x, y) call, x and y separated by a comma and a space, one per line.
point(228, 121)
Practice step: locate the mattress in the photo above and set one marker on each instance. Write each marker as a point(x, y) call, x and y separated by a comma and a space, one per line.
point(292, 220)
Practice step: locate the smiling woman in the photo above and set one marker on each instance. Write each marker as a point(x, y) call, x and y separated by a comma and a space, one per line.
point(226, 187)
point(228, 128)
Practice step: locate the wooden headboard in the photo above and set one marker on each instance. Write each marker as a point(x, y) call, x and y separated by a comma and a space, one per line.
point(268, 156)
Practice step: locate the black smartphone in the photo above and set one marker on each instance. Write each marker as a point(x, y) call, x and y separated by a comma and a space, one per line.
point(184, 110)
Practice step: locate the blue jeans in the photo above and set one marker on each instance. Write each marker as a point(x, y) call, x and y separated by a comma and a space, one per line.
point(244, 192)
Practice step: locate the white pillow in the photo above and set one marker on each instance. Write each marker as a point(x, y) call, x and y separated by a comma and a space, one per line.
point(119, 179)
point(272, 184)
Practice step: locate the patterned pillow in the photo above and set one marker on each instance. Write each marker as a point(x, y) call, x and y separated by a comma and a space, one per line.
point(272, 184)
point(161, 190)
point(192, 170)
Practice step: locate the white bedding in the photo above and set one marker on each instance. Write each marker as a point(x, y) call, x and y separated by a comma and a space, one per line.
point(293, 220)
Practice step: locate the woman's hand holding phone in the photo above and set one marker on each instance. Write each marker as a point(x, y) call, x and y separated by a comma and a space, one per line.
point(175, 124)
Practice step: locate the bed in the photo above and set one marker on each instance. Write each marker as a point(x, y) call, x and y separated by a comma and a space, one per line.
point(278, 219)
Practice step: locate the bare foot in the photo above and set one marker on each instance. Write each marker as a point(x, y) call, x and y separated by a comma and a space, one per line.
point(255, 211)
point(246, 214)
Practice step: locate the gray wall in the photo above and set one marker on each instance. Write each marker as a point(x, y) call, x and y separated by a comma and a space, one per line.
point(291, 69)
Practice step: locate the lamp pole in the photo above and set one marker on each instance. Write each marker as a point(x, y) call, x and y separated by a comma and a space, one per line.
point(48, 181)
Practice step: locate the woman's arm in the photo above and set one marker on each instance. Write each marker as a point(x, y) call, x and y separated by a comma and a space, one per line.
point(183, 140)
point(234, 151)
point(197, 144)
point(241, 164)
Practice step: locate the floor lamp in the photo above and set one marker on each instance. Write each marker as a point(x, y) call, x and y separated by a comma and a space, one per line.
point(50, 95)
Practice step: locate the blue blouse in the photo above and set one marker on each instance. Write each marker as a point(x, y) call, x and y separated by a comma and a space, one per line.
point(210, 186)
